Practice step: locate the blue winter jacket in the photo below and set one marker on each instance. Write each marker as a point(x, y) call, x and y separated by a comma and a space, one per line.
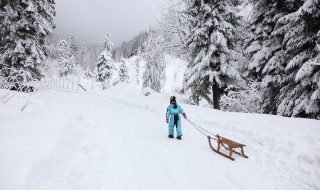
point(171, 111)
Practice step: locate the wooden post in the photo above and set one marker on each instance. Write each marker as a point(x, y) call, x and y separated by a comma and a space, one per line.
point(231, 150)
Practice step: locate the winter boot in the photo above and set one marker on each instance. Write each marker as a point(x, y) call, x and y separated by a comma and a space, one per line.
point(179, 137)
point(170, 136)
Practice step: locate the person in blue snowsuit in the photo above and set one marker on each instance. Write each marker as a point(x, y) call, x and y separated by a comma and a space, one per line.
point(173, 117)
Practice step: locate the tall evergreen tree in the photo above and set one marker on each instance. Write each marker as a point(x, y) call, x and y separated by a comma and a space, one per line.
point(73, 46)
point(137, 68)
point(212, 40)
point(24, 28)
point(123, 71)
point(300, 92)
point(105, 64)
point(66, 60)
point(265, 51)
point(154, 74)
point(82, 54)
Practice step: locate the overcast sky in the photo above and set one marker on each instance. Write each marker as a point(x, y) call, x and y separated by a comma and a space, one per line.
point(90, 20)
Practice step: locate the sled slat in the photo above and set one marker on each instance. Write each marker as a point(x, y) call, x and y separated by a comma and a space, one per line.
point(229, 145)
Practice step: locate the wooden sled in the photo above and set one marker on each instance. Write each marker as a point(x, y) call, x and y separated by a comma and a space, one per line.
point(229, 145)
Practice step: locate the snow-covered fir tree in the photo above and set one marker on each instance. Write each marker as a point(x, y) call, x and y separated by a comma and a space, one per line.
point(123, 71)
point(82, 54)
point(73, 47)
point(154, 74)
point(24, 28)
point(265, 51)
point(105, 64)
point(212, 41)
point(137, 69)
point(66, 61)
point(300, 88)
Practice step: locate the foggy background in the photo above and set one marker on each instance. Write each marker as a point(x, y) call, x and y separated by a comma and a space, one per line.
point(90, 20)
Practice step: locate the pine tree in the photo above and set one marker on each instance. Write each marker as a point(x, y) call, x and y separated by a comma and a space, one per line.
point(123, 72)
point(66, 60)
point(82, 54)
point(105, 64)
point(265, 51)
point(154, 74)
point(24, 28)
point(137, 68)
point(212, 40)
point(300, 91)
point(73, 47)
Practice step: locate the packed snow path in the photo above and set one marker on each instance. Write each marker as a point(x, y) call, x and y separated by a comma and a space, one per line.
point(118, 140)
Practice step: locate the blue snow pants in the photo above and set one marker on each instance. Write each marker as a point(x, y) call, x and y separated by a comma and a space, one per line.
point(173, 113)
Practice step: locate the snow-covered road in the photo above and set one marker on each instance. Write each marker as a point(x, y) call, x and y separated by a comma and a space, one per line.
point(118, 140)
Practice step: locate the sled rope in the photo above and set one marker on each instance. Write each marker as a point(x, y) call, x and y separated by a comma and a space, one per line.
point(201, 130)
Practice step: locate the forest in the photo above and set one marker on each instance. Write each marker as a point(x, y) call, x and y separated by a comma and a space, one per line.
point(256, 56)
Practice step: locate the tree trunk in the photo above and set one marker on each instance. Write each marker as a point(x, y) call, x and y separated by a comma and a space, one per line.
point(216, 94)
point(197, 100)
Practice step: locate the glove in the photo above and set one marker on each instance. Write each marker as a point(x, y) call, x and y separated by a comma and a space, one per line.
point(167, 119)
point(185, 116)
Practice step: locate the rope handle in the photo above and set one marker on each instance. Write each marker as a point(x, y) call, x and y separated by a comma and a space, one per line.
point(202, 130)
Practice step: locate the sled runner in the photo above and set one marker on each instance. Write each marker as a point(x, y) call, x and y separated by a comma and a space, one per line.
point(229, 145)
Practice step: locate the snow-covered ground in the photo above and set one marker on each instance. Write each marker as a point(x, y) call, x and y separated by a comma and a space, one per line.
point(117, 139)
